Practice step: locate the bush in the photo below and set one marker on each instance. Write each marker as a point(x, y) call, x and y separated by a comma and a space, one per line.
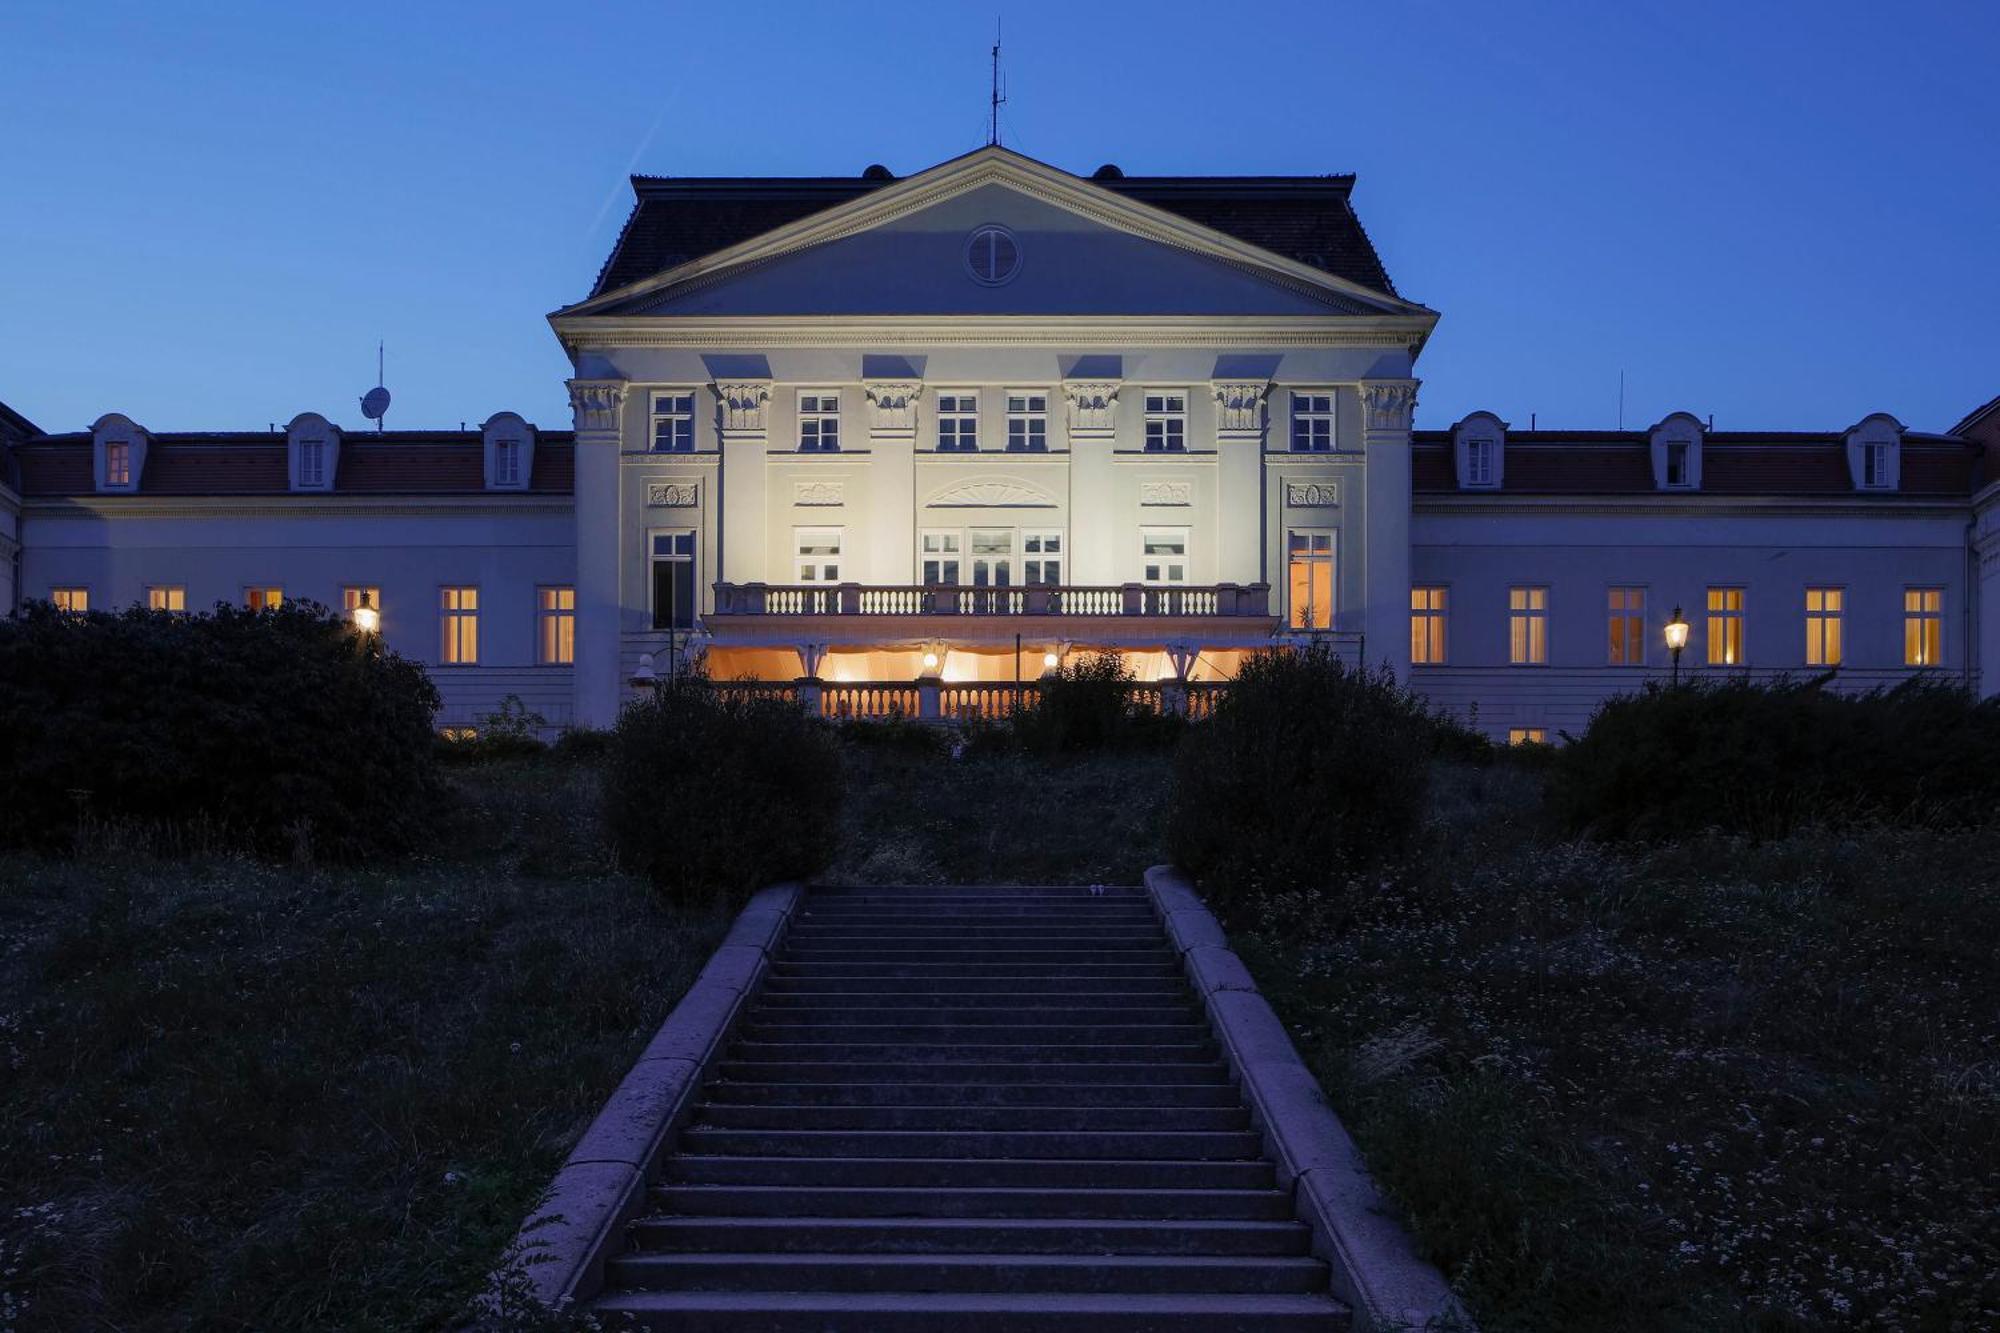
point(1768, 758)
point(716, 792)
point(282, 729)
point(1087, 704)
point(1308, 771)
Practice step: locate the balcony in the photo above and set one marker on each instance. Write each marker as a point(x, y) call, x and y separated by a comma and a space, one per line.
point(1246, 604)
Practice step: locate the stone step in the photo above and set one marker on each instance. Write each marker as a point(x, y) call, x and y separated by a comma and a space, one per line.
point(983, 1312)
point(1014, 1274)
point(909, 936)
point(952, 981)
point(1051, 1033)
point(1130, 1095)
point(932, 1011)
point(1162, 1145)
point(1021, 951)
point(971, 1052)
point(730, 1115)
point(971, 1071)
point(822, 969)
point(791, 1201)
point(970, 1172)
point(997, 914)
point(812, 1235)
point(1004, 892)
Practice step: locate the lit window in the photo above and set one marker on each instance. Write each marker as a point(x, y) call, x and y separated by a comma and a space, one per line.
point(1044, 556)
point(1309, 571)
point(506, 462)
point(673, 423)
point(1165, 552)
point(458, 735)
point(458, 618)
point(1528, 626)
point(1677, 462)
point(1527, 736)
point(1427, 626)
point(818, 554)
point(1166, 423)
point(992, 552)
point(351, 595)
point(1027, 423)
point(940, 557)
point(1875, 464)
point(819, 423)
point(1625, 609)
point(673, 580)
point(73, 600)
point(1312, 423)
point(1923, 627)
point(117, 464)
point(264, 599)
point(1479, 455)
point(1725, 626)
point(312, 462)
point(957, 422)
point(557, 613)
point(1825, 608)
point(162, 598)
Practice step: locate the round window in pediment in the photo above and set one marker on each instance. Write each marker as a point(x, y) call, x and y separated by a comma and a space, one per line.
point(992, 255)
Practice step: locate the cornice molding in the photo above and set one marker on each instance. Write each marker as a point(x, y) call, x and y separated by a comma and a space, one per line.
point(306, 504)
point(875, 332)
point(1682, 504)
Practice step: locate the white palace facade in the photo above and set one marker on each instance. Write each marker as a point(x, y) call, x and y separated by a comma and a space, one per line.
point(898, 443)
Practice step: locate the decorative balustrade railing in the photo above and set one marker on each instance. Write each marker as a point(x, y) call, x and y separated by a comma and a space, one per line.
point(1039, 599)
point(868, 699)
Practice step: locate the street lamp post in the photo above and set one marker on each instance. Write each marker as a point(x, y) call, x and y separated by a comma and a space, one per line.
point(1677, 639)
point(366, 618)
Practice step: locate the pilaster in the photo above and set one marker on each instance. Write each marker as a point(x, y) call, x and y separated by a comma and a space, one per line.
point(891, 479)
point(1239, 479)
point(598, 406)
point(743, 417)
point(1386, 410)
point(1090, 409)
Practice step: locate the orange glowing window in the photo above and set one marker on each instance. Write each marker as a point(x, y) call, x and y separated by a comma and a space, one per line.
point(1309, 563)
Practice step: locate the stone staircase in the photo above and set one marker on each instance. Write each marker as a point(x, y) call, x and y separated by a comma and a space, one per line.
point(971, 1108)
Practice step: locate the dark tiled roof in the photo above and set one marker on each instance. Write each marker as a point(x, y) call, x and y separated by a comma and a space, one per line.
point(1306, 218)
point(441, 462)
point(1775, 463)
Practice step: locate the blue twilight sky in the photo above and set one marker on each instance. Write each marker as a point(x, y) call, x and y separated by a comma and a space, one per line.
point(1783, 214)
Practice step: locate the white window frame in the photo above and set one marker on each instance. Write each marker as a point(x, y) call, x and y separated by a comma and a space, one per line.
point(1678, 452)
point(1312, 556)
point(555, 624)
point(1043, 551)
point(506, 462)
point(817, 569)
point(312, 464)
point(992, 568)
point(1926, 618)
point(1622, 616)
point(674, 555)
point(957, 421)
point(458, 624)
point(1725, 616)
point(1830, 614)
point(166, 597)
point(1528, 625)
point(824, 420)
point(1167, 422)
point(1875, 464)
point(678, 421)
point(1027, 423)
point(941, 551)
point(1480, 456)
point(1436, 623)
point(1155, 571)
point(1318, 421)
point(118, 463)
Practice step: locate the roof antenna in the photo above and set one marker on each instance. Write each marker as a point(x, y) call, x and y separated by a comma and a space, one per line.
point(375, 403)
point(999, 91)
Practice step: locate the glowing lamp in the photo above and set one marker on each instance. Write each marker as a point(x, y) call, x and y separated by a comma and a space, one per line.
point(1050, 661)
point(930, 661)
point(1677, 639)
point(366, 618)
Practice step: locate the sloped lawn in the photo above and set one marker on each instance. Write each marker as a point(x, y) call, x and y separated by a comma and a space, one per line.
point(239, 1096)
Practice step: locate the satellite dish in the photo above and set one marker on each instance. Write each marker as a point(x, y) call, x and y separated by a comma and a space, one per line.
point(375, 403)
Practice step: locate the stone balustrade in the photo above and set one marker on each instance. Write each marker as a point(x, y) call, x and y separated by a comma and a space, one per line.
point(1226, 600)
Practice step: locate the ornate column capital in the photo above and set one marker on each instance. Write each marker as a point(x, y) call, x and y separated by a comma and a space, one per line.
point(596, 404)
point(1092, 404)
point(743, 403)
point(1387, 405)
point(1239, 405)
point(893, 404)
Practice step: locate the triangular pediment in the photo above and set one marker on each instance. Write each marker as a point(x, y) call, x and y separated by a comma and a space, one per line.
point(1078, 250)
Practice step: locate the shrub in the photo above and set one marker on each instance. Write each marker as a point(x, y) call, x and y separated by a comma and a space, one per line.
point(1087, 704)
point(715, 792)
point(1309, 770)
point(513, 731)
point(1766, 758)
point(282, 727)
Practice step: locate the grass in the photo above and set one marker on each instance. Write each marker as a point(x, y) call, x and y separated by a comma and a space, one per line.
point(245, 1096)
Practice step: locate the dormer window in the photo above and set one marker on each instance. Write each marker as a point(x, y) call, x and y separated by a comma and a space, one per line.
point(312, 463)
point(118, 452)
point(507, 463)
point(1874, 453)
point(117, 463)
point(1875, 465)
point(509, 444)
point(1677, 462)
point(1478, 445)
point(312, 452)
